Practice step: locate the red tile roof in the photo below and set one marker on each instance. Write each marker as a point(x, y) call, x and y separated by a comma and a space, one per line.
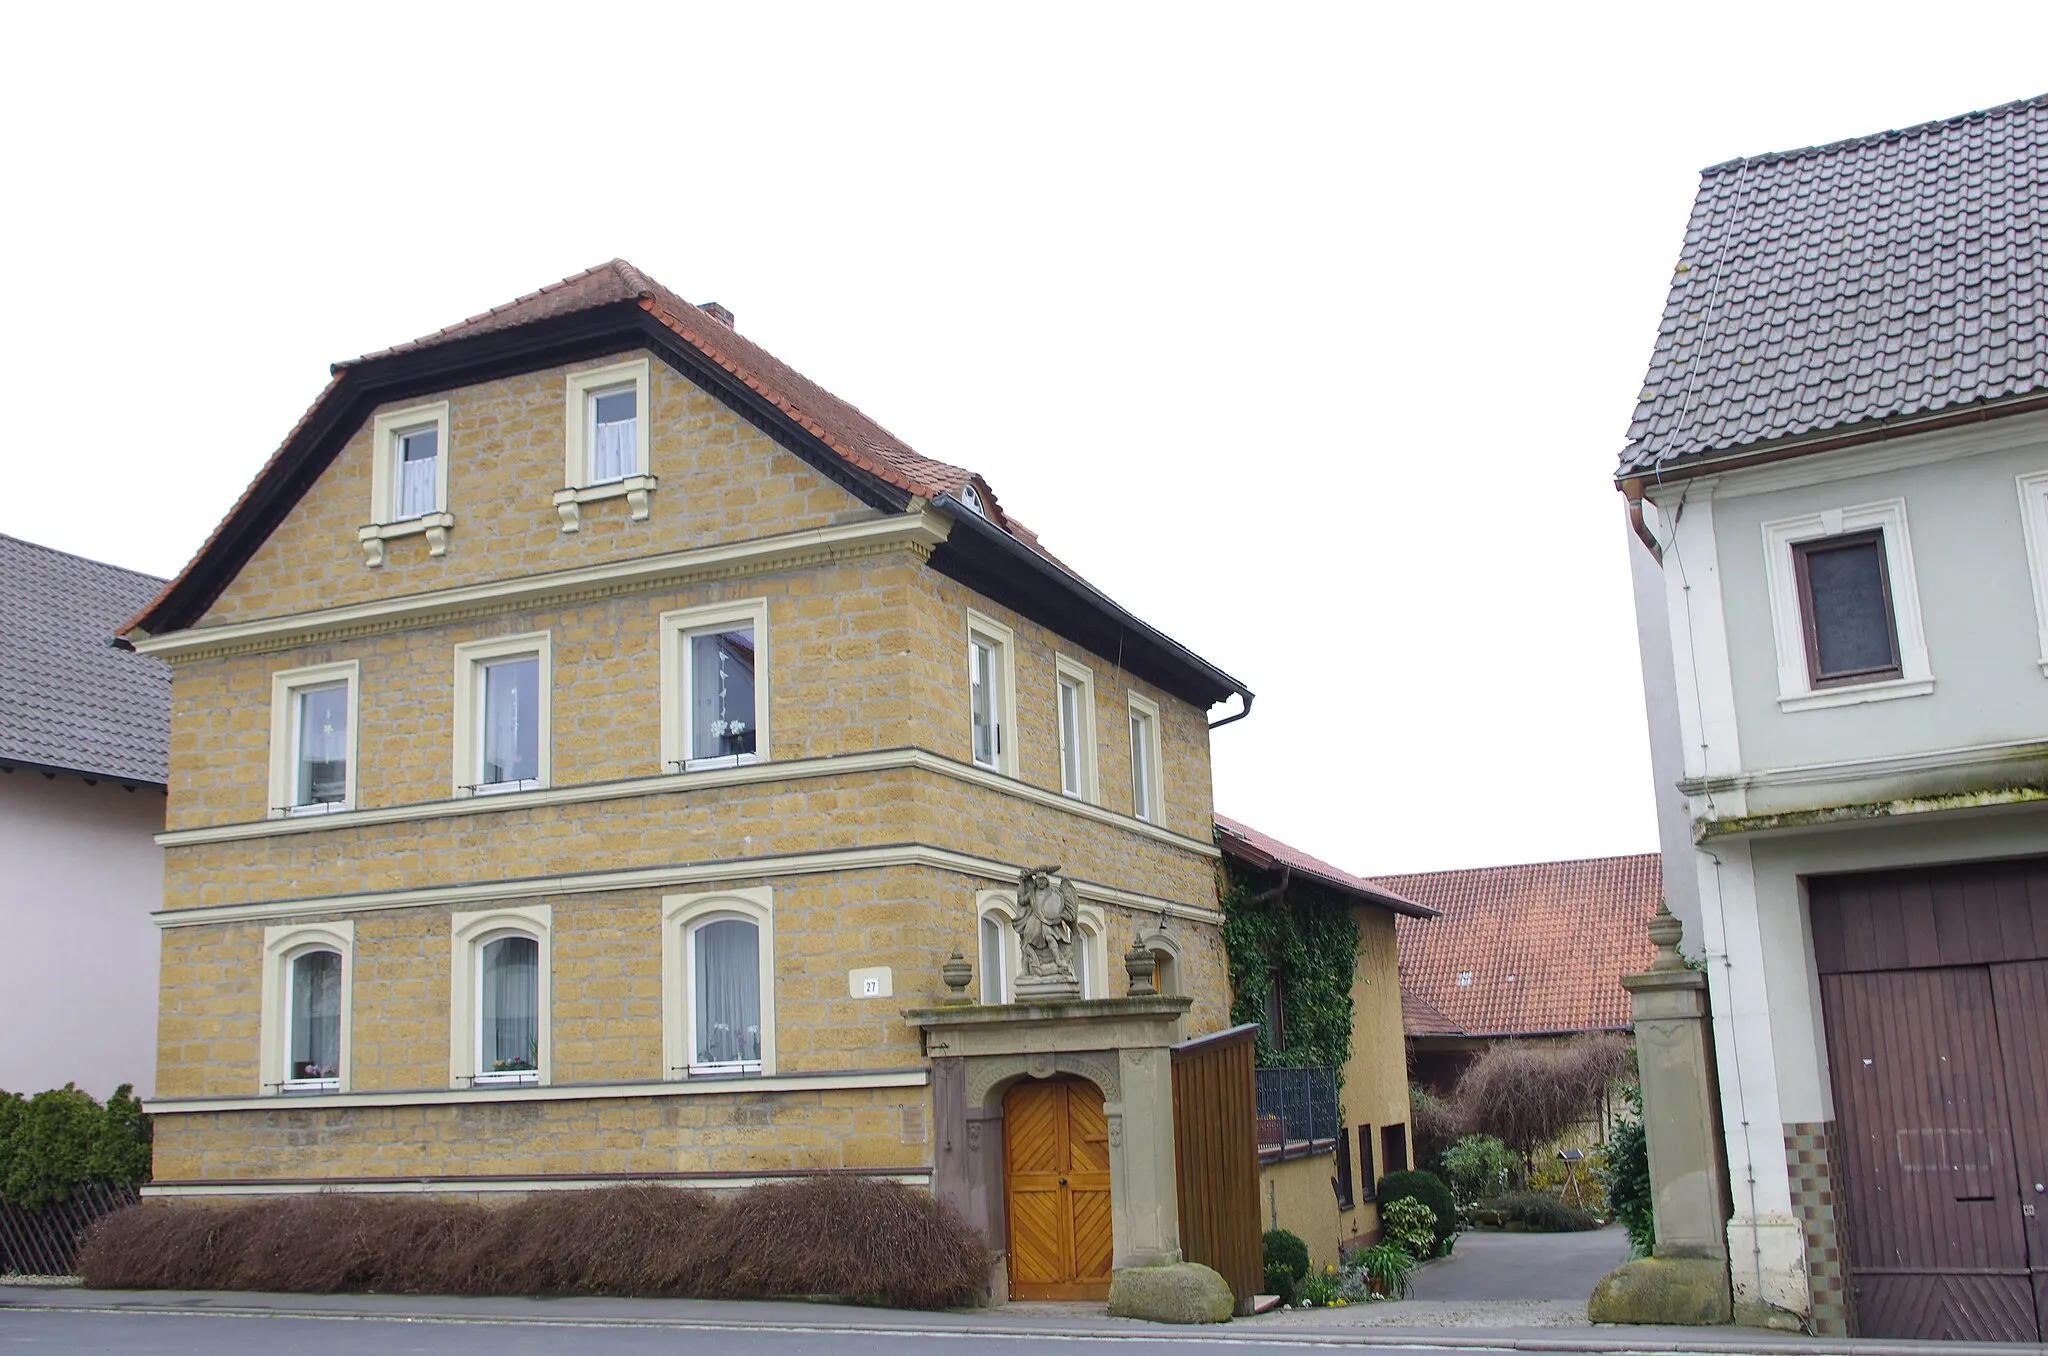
point(1264, 853)
point(1543, 947)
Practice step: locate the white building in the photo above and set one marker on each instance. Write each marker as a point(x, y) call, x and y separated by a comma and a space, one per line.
point(84, 734)
point(1838, 476)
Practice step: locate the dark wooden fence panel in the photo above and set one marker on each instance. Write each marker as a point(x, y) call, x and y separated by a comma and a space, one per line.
point(44, 1242)
point(1216, 1157)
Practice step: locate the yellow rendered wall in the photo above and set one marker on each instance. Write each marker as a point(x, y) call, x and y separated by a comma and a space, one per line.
point(1296, 1196)
point(1376, 1077)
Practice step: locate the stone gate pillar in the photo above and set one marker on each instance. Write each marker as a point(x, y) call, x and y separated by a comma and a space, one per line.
point(1685, 1280)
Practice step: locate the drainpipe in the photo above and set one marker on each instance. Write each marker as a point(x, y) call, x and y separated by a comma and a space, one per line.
point(1242, 712)
point(1286, 874)
point(1632, 490)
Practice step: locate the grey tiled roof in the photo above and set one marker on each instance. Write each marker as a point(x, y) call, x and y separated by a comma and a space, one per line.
point(68, 700)
point(1898, 274)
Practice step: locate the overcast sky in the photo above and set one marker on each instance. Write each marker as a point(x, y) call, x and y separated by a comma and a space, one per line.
point(1308, 333)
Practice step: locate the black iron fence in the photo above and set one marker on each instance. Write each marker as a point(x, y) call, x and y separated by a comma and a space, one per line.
point(44, 1241)
point(1297, 1112)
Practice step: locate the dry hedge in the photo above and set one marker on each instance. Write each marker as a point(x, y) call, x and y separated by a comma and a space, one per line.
point(879, 1242)
point(1527, 1093)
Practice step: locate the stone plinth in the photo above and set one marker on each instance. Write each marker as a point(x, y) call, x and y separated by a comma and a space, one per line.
point(1674, 1048)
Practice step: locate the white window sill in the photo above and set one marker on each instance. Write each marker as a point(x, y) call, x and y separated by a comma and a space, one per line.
point(730, 760)
point(435, 526)
point(501, 1079)
point(637, 491)
point(744, 1069)
point(300, 1085)
point(1856, 694)
point(503, 788)
point(325, 807)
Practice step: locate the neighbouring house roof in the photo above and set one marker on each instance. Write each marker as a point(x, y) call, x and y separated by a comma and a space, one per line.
point(613, 306)
point(69, 701)
point(1543, 946)
point(1263, 852)
point(1890, 276)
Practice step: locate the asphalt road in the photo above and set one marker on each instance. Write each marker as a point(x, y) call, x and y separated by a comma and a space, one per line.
point(1490, 1266)
point(81, 1332)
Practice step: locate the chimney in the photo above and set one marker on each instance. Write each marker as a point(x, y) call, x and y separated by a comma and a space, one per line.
point(717, 312)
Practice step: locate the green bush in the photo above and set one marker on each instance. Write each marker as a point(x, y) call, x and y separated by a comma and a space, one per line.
point(1541, 1212)
point(1479, 1166)
point(59, 1139)
point(1410, 1225)
point(1628, 1185)
point(1428, 1188)
point(1320, 1289)
point(1380, 1270)
point(1286, 1263)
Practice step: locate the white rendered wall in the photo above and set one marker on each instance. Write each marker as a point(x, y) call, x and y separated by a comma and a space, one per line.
point(80, 874)
point(1667, 758)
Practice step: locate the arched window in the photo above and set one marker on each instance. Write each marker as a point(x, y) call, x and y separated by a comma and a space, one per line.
point(718, 984)
point(725, 995)
point(313, 1021)
point(508, 1010)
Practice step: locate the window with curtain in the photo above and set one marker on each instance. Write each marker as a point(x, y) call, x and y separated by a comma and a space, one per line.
point(984, 702)
point(1141, 765)
point(994, 976)
point(725, 1002)
point(1846, 598)
point(418, 479)
point(721, 717)
point(1070, 737)
point(508, 1011)
point(511, 723)
point(614, 435)
point(314, 1021)
point(320, 761)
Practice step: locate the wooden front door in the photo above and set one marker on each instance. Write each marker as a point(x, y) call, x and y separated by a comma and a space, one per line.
point(1056, 1185)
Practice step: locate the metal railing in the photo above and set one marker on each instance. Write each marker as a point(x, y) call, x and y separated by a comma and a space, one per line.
point(45, 1241)
point(1297, 1110)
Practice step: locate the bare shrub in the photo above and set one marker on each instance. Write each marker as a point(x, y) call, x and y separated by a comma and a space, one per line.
point(1434, 1124)
point(1527, 1093)
point(868, 1240)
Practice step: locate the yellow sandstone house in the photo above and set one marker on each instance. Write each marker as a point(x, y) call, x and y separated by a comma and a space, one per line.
point(590, 740)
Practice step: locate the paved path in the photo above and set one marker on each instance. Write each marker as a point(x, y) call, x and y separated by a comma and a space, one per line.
point(1555, 1267)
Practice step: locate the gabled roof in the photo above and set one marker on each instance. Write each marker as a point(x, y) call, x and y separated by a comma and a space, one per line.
point(1262, 852)
point(1542, 947)
point(69, 701)
point(1893, 276)
point(615, 306)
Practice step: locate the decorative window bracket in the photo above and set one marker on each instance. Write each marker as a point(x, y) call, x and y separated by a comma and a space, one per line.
point(638, 492)
point(435, 527)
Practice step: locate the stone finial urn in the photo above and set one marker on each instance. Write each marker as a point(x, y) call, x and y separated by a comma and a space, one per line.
point(1665, 931)
point(1141, 965)
point(958, 974)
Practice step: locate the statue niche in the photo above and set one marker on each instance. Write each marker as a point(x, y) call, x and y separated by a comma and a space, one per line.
point(1048, 912)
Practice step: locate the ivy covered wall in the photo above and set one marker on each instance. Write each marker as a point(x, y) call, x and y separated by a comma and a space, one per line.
point(1307, 936)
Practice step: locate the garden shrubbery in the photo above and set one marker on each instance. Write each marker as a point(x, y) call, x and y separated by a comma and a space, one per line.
point(1286, 1262)
point(871, 1241)
point(60, 1139)
point(1428, 1188)
point(1537, 1211)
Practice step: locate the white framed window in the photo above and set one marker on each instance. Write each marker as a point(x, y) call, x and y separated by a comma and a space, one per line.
point(606, 430)
point(1091, 953)
point(313, 739)
point(718, 983)
point(500, 994)
point(971, 498)
point(304, 1042)
point(714, 686)
point(1147, 795)
point(1074, 697)
point(1845, 608)
point(997, 955)
point(991, 694)
point(2033, 489)
point(408, 479)
point(503, 714)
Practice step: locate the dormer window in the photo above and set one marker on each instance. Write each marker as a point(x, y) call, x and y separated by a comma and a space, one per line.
point(408, 481)
point(971, 497)
point(614, 434)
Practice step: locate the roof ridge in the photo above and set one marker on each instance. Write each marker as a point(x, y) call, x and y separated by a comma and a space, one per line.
point(89, 560)
point(1520, 866)
point(1876, 138)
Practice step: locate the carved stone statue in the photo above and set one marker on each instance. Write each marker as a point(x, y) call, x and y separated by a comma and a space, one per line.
point(1048, 911)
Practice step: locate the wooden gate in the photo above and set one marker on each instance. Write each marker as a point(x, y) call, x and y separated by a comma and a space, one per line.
point(1056, 1185)
point(1934, 993)
point(1216, 1157)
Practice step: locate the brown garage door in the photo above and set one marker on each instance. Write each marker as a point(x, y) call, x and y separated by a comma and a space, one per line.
point(1934, 991)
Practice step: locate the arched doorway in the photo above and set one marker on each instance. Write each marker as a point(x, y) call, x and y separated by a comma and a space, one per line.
point(1056, 1189)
